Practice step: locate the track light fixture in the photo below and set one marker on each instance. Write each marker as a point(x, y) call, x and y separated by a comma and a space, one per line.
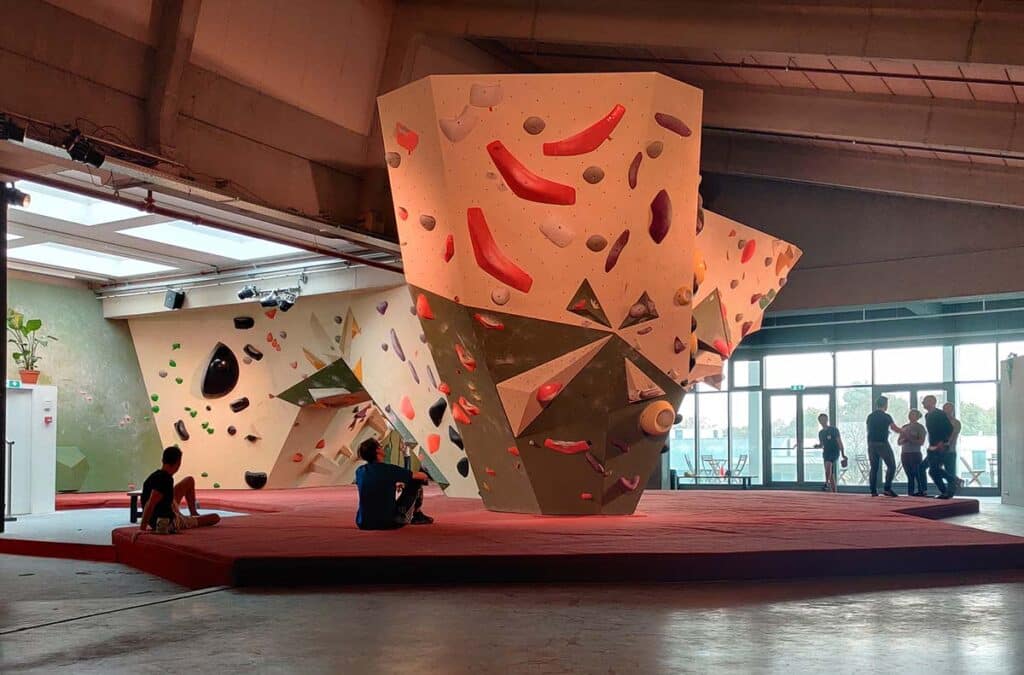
point(248, 291)
point(269, 300)
point(81, 150)
point(9, 131)
point(287, 301)
point(15, 197)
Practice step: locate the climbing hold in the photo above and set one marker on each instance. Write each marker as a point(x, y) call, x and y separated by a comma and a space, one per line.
point(155, 408)
point(471, 408)
point(283, 334)
point(457, 128)
point(252, 438)
point(634, 170)
point(586, 496)
point(642, 310)
point(297, 457)
point(178, 380)
point(596, 465)
point(270, 313)
point(584, 303)
point(209, 430)
point(240, 404)
point(255, 479)
point(558, 234)
point(567, 447)
point(444, 388)
point(176, 345)
point(449, 248)
point(162, 373)
point(433, 443)
point(393, 159)
point(244, 322)
point(485, 95)
point(397, 345)
point(746, 328)
point(232, 431)
point(204, 475)
point(428, 222)
point(455, 437)
point(683, 296)
point(748, 250)
point(677, 346)
point(321, 444)
point(526, 184)
point(596, 243)
point(488, 321)
point(412, 371)
point(672, 123)
point(172, 363)
point(630, 484)
point(546, 393)
point(590, 138)
point(460, 415)
point(513, 450)
point(423, 310)
point(700, 267)
point(406, 137)
point(657, 418)
point(463, 467)
point(465, 358)
point(490, 258)
point(154, 397)
point(204, 425)
point(500, 296)
point(533, 125)
point(593, 174)
point(252, 352)
point(437, 410)
point(181, 430)
point(382, 307)
point(654, 149)
point(294, 364)
point(616, 251)
point(405, 405)
point(661, 216)
point(193, 413)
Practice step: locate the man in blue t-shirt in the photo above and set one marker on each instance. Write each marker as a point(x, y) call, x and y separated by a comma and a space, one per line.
point(378, 482)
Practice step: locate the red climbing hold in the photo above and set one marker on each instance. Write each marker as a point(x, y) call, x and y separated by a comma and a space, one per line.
point(465, 358)
point(567, 447)
point(423, 310)
point(630, 484)
point(748, 251)
point(722, 347)
point(526, 184)
point(459, 415)
point(321, 444)
point(297, 457)
point(444, 388)
point(513, 450)
point(490, 258)
point(488, 322)
point(546, 393)
point(471, 408)
point(270, 337)
point(406, 407)
point(490, 472)
point(403, 213)
point(294, 364)
point(271, 313)
point(590, 138)
point(586, 496)
point(449, 248)
point(406, 137)
point(433, 443)
point(746, 328)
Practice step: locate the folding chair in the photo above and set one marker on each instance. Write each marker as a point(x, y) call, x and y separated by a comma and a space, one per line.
point(975, 474)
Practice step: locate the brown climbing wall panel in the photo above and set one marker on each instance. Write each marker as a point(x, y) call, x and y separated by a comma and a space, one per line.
point(550, 224)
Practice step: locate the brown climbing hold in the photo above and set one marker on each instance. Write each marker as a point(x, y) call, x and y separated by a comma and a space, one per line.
point(596, 243)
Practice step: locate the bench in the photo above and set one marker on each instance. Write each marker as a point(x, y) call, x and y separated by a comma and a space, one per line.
point(744, 481)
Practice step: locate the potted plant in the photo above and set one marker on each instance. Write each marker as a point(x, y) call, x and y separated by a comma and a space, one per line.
point(24, 335)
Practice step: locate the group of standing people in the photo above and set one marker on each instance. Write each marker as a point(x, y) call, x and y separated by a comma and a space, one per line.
point(940, 432)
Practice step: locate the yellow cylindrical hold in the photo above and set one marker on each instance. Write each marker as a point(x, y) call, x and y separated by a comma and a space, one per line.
point(657, 418)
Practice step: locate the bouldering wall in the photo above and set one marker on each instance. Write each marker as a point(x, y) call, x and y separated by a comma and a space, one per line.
point(105, 432)
point(550, 226)
point(283, 399)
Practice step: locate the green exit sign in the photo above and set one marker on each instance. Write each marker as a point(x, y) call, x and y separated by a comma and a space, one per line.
point(14, 384)
point(796, 387)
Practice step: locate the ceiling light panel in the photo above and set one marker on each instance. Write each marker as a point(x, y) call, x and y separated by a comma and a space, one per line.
point(53, 203)
point(210, 240)
point(84, 260)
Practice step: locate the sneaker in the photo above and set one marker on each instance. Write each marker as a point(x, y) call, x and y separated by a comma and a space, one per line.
point(420, 518)
point(945, 496)
point(874, 494)
point(959, 483)
point(890, 493)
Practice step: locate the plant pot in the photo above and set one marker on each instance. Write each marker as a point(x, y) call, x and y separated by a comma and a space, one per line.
point(29, 376)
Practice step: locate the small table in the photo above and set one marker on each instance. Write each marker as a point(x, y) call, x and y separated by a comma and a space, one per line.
point(744, 481)
point(134, 512)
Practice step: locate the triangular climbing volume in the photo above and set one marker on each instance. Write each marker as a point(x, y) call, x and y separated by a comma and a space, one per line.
point(642, 310)
point(712, 328)
point(585, 303)
point(639, 387)
point(525, 395)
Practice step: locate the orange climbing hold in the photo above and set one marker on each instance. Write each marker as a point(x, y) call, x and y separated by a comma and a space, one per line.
point(513, 450)
point(423, 310)
point(433, 443)
point(271, 313)
point(406, 407)
point(444, 388)
point(459, 415)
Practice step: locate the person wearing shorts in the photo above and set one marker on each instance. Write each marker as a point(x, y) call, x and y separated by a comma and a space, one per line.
point(161, 499)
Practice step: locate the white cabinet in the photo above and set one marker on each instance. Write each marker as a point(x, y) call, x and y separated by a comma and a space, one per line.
point(32, 425)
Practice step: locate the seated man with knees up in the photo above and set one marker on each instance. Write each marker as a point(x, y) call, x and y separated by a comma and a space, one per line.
point(161, 499)
point(378, 482)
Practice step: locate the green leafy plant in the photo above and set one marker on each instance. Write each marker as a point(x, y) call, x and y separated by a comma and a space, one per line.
point(24, 335)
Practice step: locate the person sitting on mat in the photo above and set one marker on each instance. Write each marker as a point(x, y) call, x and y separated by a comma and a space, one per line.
point(161, 499)
point(378, 482)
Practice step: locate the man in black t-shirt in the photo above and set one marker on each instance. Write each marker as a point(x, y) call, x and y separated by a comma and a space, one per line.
point(378, 481)
point(831, 444)
point(940, 430)
point(879, 425)
point(161, 499)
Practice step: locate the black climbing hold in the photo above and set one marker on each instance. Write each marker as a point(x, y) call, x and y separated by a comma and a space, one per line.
point(208, 409)
point(221, 373)
point(455, 437)
point(252, 438)
point(679, 419)
point(244, 322)
point(463, 467)
point(253, 352)
point(255, 479)
point(238, 405)
point(437, 410)
point(179, 428)
point(664, 449)
point(232, 431)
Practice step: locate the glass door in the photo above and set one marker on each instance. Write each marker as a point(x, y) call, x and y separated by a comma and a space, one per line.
point(792, 424)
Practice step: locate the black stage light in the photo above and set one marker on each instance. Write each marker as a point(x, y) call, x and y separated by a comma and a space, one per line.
point(287, 301)
point(15, 197)
point(247, 292)
point(9, 131)
point(81, 150)
point(269, 300)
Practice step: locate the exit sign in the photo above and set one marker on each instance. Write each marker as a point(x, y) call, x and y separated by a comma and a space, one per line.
point(796, 387)
point(14, 384)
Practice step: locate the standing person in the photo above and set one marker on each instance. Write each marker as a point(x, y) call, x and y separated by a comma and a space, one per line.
point(879, 424)
point(912, 437)
point(831, 444)
point(161, 499)
point(940, 429)
point(378, 482)
point(949, 458)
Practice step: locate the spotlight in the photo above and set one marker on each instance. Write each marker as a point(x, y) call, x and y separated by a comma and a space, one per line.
point(247, 292)
point(287, 301)
point(270, 300)
point(15, 197)
point(81, 150)
point(9, 131)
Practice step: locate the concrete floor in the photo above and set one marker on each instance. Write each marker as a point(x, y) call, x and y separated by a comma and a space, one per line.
point(95, 617)
point(78, 526)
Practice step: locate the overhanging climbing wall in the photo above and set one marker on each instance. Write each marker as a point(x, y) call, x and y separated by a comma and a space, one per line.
point(549, 226)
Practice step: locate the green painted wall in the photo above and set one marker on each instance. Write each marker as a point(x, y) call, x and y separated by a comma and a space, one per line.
point(103, 407)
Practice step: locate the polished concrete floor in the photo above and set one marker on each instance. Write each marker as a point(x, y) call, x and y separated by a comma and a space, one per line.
point(63, 616)
point(77, 526)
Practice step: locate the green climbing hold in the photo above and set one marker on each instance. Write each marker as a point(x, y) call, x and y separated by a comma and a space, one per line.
point(205, 475)
point(205, 424)
point(172, 363)
point(155, 408)
point(154, 398)
point(178, 380)
point(209, 430)
point(193, 413)
point(216, 485)
point(176, 345)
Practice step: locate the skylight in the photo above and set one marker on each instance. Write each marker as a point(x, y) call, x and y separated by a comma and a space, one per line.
point(209, 240)
point(11, 237)
point(83, 260)
point(47, 201)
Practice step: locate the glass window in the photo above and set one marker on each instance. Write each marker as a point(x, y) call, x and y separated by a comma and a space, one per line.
point(713, 436)
point(682, 449)
point(977, 458)
point(745, 435)
point(913, 364)
point(853, 367)
point(782, 371)
point(975, 362)
point(747, 373)
point(209, 240)
point(722, 386)
point(853, 405)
